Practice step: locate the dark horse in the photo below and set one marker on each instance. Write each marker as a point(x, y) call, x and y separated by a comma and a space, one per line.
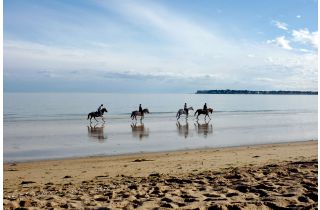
point(201, 111)
point(134, 114)
point(97, 114)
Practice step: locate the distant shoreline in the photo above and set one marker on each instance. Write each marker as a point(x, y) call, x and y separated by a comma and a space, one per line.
point(257, 92)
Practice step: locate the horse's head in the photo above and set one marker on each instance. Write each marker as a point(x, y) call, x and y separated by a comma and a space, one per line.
point(104, 110)
point(210, 110)
point(146, 111)
point(191, 108)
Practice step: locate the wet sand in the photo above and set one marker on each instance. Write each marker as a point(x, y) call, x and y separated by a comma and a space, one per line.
point(274, 176)
point(26, 140)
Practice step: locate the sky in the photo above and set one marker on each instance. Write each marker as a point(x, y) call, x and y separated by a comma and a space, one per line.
point(160, 46)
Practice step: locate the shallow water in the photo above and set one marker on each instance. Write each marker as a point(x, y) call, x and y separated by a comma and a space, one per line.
point(48, 126)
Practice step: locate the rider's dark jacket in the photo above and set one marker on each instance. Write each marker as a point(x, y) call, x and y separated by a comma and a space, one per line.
point(99, 109)
point(205, 107)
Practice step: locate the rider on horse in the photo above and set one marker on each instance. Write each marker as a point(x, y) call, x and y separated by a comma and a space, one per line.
point(99, 109)
point(140, 109)
point(186, 108)
point(205, 107)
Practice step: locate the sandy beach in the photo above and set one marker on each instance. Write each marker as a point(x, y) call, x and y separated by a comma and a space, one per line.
point(273, 176)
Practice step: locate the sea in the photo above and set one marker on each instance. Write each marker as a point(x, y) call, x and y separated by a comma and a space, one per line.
point(42, 126)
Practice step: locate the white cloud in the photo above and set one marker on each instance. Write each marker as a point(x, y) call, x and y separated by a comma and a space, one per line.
point(306, 37)
point(305, 50)
point(281, 25)
point(299, 36)
point(163, 23)
point(281, 42)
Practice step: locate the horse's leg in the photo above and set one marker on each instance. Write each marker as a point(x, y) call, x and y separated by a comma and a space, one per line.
point(103, 119)
point(209, 116)
point(95, 119)
point(91, 118)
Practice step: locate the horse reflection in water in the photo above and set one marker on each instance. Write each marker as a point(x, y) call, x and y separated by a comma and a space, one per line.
point(139, 130)
point(96, 132)
point(183, 130)
point(204, 128)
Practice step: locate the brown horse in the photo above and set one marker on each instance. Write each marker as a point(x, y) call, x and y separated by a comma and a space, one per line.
point(206, 113)
point(134, 114)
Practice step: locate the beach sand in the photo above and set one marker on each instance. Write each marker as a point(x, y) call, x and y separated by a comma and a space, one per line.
point(250, 177)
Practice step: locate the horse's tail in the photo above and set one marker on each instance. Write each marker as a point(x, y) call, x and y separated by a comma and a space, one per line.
point(195, 113)
point(88, 116)
point(132, 115)
point(177, 114)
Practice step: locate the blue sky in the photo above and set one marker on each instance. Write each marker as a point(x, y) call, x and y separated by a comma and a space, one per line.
point(159, 46)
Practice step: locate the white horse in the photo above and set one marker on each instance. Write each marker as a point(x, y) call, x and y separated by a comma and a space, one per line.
point(182, 111)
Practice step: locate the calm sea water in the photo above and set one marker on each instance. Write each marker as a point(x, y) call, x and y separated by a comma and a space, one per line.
point(55, 125)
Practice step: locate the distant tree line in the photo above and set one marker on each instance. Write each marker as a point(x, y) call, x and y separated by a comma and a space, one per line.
point(271, 92)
